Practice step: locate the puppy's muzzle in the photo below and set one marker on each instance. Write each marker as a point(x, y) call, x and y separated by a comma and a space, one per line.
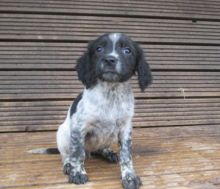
point(110, 60)
point(109, 70)
point(109, 64)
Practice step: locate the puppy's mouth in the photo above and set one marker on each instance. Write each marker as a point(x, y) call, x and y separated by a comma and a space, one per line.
point(110, 76)
point(109, 72)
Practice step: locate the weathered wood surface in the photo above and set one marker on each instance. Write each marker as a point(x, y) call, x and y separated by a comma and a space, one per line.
point(40, 42)
point(48, 115)
point(44, 55)
point(64, 84)
point(180, 157)
point(79, 28)
point(158, 8)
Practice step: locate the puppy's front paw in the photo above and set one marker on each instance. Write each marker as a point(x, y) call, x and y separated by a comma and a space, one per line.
point(67, 168)
point(78, 178)
point(131, 181)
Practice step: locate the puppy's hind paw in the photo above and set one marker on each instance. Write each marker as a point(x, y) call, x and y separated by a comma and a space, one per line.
point(113, 157)
point(107, 154)
point(131, 181)
point(78, 178)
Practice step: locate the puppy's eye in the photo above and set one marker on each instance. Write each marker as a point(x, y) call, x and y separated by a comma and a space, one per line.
point(126, 50)
point(99, 49)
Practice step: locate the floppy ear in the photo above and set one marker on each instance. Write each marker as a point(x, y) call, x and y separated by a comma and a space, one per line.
point(142, 69)
point(86, 70)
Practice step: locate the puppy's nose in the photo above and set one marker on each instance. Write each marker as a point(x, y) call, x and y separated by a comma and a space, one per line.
point(110, 60)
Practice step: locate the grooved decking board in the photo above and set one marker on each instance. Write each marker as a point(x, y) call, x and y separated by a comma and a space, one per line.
point(48, 115)
point(64, 84)
point(180, 157)
point(84, 28)
point(33, 55)
point(159, 8)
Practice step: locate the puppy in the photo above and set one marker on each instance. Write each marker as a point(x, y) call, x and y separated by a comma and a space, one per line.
point(102, 113)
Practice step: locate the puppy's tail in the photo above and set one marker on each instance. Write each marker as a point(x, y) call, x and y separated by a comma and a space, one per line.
point(44, 151)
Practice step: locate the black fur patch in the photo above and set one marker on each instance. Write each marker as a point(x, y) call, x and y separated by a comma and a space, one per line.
point(74, 104)
point(52, 151)
point(86, 70)
point(143, 69)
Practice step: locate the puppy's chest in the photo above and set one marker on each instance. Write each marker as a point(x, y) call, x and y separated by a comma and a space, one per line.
point(105, 116)
point(104, 124)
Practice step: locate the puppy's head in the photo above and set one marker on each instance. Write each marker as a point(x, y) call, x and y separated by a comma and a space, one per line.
point(113, 57)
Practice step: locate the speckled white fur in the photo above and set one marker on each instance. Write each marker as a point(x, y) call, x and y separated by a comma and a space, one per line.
point(63, 137)
point(101, 112)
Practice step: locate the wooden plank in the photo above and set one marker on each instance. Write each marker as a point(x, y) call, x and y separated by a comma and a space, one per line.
point(33, 55)
point(172, 181)
point(48, 115)
point(168, 8)
point(61, 85)
point(180, 157)
point(84, 28)
point(152, 182)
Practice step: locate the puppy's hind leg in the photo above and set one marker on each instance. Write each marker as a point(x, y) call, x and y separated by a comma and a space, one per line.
point(63, 144)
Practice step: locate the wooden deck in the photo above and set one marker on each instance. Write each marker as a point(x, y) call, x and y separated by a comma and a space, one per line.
point(179, 157)
point(177, 120)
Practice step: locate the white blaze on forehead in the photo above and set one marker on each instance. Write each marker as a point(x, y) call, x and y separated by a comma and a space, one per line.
point(114, 37)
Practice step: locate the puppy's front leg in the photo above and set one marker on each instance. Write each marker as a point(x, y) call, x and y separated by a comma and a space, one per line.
point(75, 165)
point(129, 179)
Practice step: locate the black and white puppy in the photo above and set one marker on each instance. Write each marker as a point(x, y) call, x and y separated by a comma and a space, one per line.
point(102, 113)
